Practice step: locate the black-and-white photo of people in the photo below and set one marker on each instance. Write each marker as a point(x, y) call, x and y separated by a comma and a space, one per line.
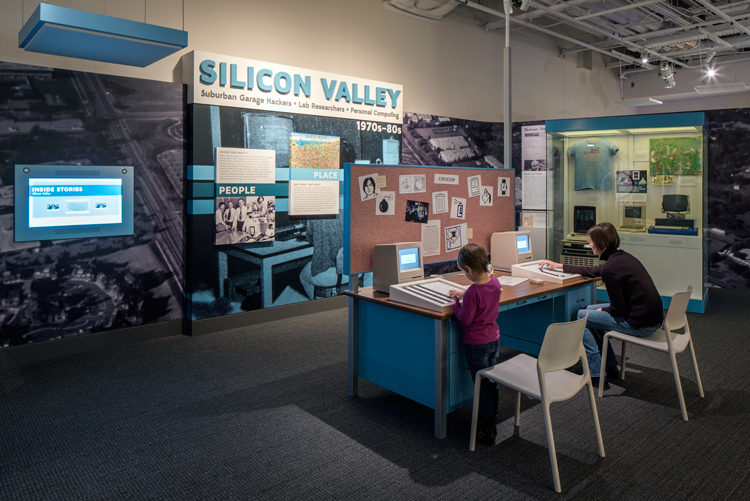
point(252, 220)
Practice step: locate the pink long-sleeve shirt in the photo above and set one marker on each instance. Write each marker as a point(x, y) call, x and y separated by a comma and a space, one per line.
point(478, 312)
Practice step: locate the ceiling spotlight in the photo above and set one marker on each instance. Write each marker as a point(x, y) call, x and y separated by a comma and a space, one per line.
point(525, 4)
point(667, 74)
point(644, 57)
point(711, 72)
point(710, 55)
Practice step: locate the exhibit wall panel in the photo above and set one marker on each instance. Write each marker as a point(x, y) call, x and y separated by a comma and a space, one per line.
point(230, 269)
point(66, 288)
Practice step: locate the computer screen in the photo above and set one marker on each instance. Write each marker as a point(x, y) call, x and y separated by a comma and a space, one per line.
point(584, 217)
point(675, 203)
point(60, 202)
point(633, 211)
point(408, 259)
point(522, 243)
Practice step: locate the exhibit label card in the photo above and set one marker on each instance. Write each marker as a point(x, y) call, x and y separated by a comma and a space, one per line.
point(245, 166)
point(446, 179)
point(431, 238)
point(313, 198)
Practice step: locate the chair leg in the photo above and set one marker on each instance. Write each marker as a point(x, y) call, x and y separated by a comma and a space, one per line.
point(551, 446)
point(622, 361)
point(597, 428)
point(475, 412)
point(695, 368)
point(678, 385)
point(603, 369)
point(518, 409)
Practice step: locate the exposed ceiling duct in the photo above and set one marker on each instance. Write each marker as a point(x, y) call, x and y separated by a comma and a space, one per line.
point(433, 10)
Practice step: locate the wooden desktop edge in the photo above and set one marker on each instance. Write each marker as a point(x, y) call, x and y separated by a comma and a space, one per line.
point(511, 294)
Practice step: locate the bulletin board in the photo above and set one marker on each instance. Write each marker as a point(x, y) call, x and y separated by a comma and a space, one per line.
point(365, 224)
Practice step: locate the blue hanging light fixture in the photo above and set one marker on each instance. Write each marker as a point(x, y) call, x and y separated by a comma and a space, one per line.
point(72, 33)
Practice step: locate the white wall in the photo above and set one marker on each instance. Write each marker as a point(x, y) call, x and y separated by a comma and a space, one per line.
point(451, 68)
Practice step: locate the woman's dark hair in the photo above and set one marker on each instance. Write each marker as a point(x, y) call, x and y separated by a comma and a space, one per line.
point(604, 236)
point(368, 180)
point(473, 256)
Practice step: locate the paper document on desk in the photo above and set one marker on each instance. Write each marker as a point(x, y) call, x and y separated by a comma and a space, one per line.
point(511, 280)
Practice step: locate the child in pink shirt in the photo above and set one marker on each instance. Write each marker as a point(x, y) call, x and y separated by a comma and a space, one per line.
point(478, 315)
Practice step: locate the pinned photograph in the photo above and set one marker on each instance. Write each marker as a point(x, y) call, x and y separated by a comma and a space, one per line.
point(386, 204)
point(455, 237)
point(439, 202)
point(535, 165)
point(503, 186)
point(369, 190)
point(485, 197)
point(458, 208)
point(475, 185)
point(420, 183)
point(417, 212)
point(405, 184)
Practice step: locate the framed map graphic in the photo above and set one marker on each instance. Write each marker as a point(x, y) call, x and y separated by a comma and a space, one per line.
point(680, 156)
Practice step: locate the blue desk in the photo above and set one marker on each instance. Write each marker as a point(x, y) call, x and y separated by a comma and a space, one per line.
point(419, 354)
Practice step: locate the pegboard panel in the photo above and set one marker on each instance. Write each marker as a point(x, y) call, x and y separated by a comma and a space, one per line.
point(363, 229)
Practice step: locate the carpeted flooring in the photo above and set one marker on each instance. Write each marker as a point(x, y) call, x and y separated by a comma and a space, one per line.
point(262, 413)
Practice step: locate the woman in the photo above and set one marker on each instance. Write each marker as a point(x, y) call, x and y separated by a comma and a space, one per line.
point(635, 305)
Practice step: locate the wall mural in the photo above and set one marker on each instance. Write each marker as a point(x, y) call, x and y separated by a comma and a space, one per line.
point(63, 288)
point(728, 202)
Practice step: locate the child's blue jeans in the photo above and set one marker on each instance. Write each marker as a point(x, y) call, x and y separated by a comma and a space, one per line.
point(481, 356)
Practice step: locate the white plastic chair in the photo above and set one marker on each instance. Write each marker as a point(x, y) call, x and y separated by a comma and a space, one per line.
point(545, 379)
point(664, 339)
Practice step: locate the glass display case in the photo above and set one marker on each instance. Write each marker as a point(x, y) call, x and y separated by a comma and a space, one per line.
point(645, 175)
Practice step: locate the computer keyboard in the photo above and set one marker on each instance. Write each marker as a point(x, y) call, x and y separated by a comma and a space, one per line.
point(437, 291)
point(672, 228)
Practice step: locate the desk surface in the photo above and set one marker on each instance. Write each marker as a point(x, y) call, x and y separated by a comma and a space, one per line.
point(510, 294)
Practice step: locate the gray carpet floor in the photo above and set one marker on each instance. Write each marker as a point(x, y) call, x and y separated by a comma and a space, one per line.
point(262, 413)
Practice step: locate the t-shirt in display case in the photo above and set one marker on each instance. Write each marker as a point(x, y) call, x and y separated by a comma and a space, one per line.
point(645, 175)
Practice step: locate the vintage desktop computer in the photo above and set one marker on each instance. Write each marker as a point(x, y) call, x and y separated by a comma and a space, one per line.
point(510, 247)
point(396, 264)
point(675, 206)
point(584, 217)
point(633, 218)
point(575, 248)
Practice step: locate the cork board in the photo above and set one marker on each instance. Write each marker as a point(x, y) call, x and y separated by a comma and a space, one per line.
point(363, 229)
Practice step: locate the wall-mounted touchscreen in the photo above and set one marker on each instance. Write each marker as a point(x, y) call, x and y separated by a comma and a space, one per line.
point(59, 201)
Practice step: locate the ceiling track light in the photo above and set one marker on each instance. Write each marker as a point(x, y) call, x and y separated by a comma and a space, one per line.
point(667, 74)
point(525, 4)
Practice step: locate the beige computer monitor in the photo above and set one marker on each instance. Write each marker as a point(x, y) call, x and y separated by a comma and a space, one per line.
point(509, 248)
point(396, 264)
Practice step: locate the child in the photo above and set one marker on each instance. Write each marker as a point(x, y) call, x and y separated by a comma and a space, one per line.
point(478, 315)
